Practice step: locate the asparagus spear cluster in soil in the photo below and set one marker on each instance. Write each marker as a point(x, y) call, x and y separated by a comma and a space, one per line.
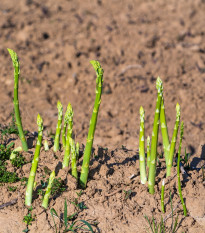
point(93, 122)
point(16, 66)
point(29, 189)
point(58, 127)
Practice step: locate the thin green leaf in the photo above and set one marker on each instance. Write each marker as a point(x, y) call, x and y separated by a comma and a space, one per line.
point(175, 224)
point(87, 224)
point(149, 223)
point(53, 213)
point(65, 214)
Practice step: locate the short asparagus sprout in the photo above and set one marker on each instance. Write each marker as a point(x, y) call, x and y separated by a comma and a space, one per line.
point(173, 142)
point(93, 122)
point(68, 136)
point(148, 151)
point(48, 190)
point(162, 196)
point(77, 149)
point(164, 130)
point(30, 185)
point(46, 147)
point(13, 153)
point(58, 127)
point(143, 176)
point(178, 169)
point(153, 155)
point(16, 66)
point(73, 159)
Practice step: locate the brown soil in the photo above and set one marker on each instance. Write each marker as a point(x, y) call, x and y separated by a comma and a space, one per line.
point(135, 41)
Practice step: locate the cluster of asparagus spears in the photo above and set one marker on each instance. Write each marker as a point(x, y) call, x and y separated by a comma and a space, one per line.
point(71, 149)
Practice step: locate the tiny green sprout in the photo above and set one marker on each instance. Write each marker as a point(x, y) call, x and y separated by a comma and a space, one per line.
point(127, 194)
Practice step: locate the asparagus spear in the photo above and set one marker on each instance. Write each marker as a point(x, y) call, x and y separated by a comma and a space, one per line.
point(58, 127)
point(66, 117)
point(178, 169)
point(73, 159)
point(153, 156)
point(162, 196)
point(173, 142)
point(16, 66)
point(48, 190)
point(93, 121)
point(29, 189)
point(141, 148)
point(148, 151)
point(69, 134)
point(46, 147)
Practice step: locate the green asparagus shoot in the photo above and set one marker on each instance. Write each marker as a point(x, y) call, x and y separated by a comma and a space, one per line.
point(66, 118)
point(58, 127)
point(88, 148)
point(16, 66)
point(48, 190)
point(148, 151)
point(69, 119)
point(30, 185)
point(173, 142)
point(162, 196)
point(73, 159)
point(46, 147)
point(153, 155)
point(77, 149)
point(141, 148)
point(178, 169)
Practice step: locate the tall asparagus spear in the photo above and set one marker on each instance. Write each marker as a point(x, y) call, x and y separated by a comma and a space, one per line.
point(153, 155)
point(173, 142)
point(73, 159)
point(148, 151)
point(178, 169)
point(164, 130)
point(69, 135)
point(48, 190)
point(141, 148)
point(16, 66)
point(93, 121)
point(29, 189)
point(58, 127)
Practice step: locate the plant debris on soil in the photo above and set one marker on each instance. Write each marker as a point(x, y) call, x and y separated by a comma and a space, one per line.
point(135, 41)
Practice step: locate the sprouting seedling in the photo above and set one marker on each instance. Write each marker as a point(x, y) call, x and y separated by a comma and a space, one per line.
point(93, 122)
point(143, 175)
point(16, 66)
point(58, 127)
point(69, 119)
point(29, 189)
point(154, 226)
point(48, 190)
point(148, 151)
point(178, 169)
point(73, 159)
point(153, 155)
point(162, 196)
point(173, 142)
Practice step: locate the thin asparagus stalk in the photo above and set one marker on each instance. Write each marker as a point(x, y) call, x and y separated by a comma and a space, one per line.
point(58, 127)
point(148, 151)
point(141, 148)
point(29, 189)
point(66, 117)
point(48, 190)
point(77, 149)
point(16, 66)
point(13, 154)
point(69, 135)
point(153, 155)
point(73, 159)
point(162, 196)
point(173, 142)
point(178, 169)
point(93, 121)
point(164, 130)
point(46, 147)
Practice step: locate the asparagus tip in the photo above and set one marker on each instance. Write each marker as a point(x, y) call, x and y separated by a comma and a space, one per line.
point(163, 182)
point(96, 65)
point(14, 57)
point(178, 110)
point(39, 120)
point(159, 85)
point(59, 106)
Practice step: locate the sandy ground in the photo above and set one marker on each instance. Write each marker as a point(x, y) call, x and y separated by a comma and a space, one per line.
point(135, 41)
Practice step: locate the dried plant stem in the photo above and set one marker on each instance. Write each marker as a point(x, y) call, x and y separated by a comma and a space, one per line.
point(143, 176)
point(153, 156)
point(93, 122)
point(178, 169)
point(16, 66)
point(30, 185)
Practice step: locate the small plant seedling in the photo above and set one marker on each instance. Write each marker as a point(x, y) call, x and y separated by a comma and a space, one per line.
point(127, 194)
point(79, 205)
point(58, 187)
point(24, 181)
point(19, 160)
point(11, 188)
point(79, 193)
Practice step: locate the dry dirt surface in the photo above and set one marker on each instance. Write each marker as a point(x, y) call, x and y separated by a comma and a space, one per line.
point(135, 41)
